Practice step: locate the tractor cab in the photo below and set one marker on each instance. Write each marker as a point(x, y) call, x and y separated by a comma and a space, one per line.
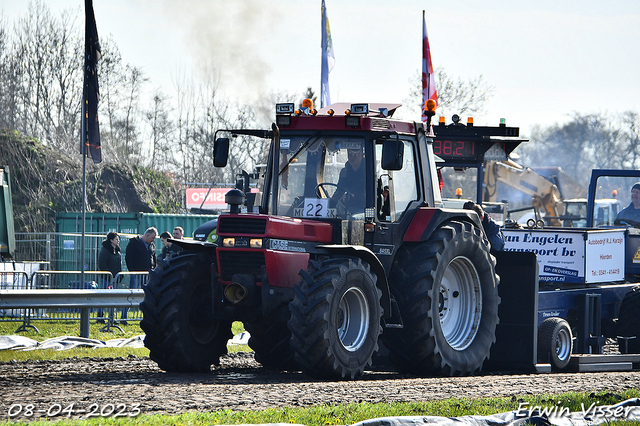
point(352, 166)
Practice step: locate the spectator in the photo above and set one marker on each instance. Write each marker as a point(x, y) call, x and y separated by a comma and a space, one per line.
point(178, 233)
point(492, 229)
point(169, 250)
point(630, 215)
point(110, 260)
point(140, 257)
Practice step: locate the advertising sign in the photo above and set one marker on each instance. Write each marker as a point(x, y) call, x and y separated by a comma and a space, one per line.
point(605, 257)
point(572, 256)
point(214, 198)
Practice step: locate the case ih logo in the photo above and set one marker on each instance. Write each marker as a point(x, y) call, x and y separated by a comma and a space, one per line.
point(214, 198)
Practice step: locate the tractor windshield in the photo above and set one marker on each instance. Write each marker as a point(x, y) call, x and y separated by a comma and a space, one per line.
point(321, 176)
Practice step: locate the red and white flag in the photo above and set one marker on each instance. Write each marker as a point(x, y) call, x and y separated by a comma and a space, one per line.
point(428, 80)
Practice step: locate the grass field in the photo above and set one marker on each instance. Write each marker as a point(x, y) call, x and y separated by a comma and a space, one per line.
point(349, 414)
point(50, 329)
point(346, 414)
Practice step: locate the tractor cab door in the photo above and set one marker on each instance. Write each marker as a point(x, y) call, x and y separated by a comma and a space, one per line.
point(397, 197)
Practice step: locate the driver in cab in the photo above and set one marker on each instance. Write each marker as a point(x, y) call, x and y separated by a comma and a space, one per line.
point(351, 183)
point(631, 214)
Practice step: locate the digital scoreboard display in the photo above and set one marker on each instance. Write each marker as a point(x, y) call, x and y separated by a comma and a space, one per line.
point(459, 150)
point(468, 150)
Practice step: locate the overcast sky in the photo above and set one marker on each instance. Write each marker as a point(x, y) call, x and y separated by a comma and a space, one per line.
point(545, 60)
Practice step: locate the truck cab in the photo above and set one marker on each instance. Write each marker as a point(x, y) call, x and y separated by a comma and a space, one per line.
point(575, 215)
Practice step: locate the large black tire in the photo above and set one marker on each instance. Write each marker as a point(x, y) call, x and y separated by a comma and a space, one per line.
point(555, 343)
point(181, 333)
point(270, 338)
point(447, 293)
point(629, 320)
point(335, 318)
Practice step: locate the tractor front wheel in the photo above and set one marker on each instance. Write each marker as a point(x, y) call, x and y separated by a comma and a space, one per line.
point(182, 334)
point(335, 318)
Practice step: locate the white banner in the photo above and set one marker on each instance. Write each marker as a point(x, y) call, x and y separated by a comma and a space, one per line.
point(605, 257)
point(586, 256)
point(214, 198)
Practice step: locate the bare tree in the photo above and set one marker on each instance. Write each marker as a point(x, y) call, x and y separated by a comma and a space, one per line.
point(161, 133)
point(586, 142)
point(128, 125)
point(32, 42)
point(455, 95)
point(63, 109)
point(630, 127)
point(112, 87)
point(41, 77)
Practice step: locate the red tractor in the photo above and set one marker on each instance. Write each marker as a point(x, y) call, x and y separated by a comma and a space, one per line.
point(345, 247)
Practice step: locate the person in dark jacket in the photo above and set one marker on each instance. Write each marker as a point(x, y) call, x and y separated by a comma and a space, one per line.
point(492, 229)
point(169, 250)
point(351, 183)
point(110, 260)
point(140, 256)
point(630, 215)
point(178, 233)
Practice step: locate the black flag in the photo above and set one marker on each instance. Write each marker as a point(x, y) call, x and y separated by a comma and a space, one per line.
point(91, 138)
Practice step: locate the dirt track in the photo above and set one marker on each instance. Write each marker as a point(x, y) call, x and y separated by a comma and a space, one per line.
point(241, 384)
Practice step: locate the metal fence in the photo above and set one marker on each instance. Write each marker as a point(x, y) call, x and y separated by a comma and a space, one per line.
point(52, 261)
point(40, 281)
point(62, 251)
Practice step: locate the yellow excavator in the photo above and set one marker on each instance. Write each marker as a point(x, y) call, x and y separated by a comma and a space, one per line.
point(545, 196)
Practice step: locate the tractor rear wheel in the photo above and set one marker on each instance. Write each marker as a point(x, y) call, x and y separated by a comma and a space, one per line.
point(628, 320)
point(181, 333)
point(447, 293)
point(335, 318)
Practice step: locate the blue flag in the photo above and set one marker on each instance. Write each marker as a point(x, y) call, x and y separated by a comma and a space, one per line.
point(328, 59)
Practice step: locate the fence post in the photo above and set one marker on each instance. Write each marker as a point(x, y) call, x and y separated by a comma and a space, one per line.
point(49, 248)
point(84, 322)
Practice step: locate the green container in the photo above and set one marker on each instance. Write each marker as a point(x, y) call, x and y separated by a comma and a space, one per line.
point(166, 222)
point(129, 223)
point(98, 225)
point(7, 234)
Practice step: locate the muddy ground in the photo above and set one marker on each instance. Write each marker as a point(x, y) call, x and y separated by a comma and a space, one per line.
point(99, 386)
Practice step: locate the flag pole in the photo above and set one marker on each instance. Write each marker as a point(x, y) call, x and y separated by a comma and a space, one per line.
point(84, 316)
point(324, 72)
point(84, 188)
point(429, 91)
point(325, 65)
point(89, 129)
point(424, 23)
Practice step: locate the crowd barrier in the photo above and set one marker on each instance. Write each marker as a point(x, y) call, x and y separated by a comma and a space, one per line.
point(60, 295)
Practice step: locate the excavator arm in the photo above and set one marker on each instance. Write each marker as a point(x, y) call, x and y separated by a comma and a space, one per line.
point(545, 194)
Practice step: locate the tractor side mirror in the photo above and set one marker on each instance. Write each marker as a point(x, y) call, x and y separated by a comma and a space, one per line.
point(220, 152)
point(392, 154)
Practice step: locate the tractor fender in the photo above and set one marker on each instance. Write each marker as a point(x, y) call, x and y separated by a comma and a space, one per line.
point(428, 219)
point(374, 263)
point(194, 245)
